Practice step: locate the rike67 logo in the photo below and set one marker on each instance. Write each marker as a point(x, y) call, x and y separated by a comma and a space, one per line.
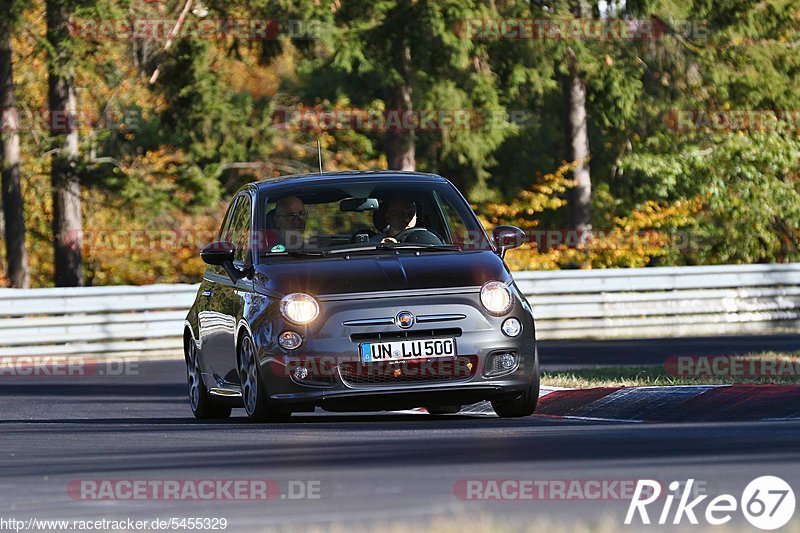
point(767, 503)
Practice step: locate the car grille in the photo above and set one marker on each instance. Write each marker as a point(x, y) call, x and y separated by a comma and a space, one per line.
point(406, 334)
point(435, 370)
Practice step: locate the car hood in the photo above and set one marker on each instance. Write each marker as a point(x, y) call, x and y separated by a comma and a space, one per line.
point(406, 271)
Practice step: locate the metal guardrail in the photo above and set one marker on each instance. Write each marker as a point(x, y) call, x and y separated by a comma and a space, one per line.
point(614, 303)
point(94, 321)
point(664, 302)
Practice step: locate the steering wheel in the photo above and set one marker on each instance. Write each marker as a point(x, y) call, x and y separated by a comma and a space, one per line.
point(406, 233)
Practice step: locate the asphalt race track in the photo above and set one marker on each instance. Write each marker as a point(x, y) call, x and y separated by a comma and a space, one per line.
point(372, 469)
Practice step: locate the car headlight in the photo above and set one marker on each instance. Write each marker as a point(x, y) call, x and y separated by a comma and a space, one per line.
point(496, 297)
point(299, 308)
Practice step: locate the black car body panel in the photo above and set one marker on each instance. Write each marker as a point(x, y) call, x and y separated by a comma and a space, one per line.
point(387, 272)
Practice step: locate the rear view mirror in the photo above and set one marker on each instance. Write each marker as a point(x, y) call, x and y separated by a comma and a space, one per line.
point(358, 204)
point(507, 238)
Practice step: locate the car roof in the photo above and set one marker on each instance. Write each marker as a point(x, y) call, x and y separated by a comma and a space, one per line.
point(366, 175)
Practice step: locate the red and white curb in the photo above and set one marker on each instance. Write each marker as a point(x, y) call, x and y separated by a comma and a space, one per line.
point(688, 403)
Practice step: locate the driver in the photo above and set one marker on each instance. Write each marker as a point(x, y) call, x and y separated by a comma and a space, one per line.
point(401, 214)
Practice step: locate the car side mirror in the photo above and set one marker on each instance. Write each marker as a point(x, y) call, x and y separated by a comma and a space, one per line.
point(218, 253)
point(507, 238)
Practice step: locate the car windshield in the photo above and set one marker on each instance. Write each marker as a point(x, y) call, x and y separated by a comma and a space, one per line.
point(367, 217)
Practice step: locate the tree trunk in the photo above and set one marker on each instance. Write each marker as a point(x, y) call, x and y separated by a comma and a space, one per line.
point(67, 238)
point(13, 209)
point(400, 150)
point(580, 196)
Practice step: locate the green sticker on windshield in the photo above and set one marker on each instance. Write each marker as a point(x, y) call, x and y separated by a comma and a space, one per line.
point(278, 248)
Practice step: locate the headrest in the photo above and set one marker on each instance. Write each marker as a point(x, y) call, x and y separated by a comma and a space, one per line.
point(379, 217)
point(269, 219)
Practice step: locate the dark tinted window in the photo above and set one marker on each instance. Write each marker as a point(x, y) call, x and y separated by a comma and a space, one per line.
point(341, 214)
point(239, 230)
point(226, 222)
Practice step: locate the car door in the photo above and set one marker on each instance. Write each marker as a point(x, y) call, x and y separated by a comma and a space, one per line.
point(211, 320)
point(230, 295)
point(223, 298)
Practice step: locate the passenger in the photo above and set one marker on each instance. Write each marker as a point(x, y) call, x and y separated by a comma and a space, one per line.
point(290, 222)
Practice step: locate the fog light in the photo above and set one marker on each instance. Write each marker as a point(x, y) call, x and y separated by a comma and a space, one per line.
point(512, 327)
point(505, 361)
point(290, 340)
point(301, 372)
point(501, 363)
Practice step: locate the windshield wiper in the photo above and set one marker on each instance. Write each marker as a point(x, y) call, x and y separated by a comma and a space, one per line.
point(297, 253)
point(419, 246)
point(367, 248)
point(351, 249)
point(384, 246)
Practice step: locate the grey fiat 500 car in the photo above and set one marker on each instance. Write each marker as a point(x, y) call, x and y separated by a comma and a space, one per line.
point(358, 291)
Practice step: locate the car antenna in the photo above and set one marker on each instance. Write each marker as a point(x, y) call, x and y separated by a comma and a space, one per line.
point(319, 155)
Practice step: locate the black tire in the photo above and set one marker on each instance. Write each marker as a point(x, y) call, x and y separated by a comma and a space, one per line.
point(522, 405)
point(254, 394)
point(203, 405)
point(443, 409)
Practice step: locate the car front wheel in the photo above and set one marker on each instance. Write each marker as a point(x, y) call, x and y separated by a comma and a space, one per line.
point(254, 394)
point(522, 405)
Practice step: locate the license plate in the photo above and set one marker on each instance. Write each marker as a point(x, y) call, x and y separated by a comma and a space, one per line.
point(372, 352)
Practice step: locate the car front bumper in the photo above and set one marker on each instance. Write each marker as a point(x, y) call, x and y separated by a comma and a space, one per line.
point(330, 354)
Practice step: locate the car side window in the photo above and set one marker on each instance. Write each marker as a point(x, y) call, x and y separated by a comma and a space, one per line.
point(239, 231)
point(226, 222)
point(456, 231)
